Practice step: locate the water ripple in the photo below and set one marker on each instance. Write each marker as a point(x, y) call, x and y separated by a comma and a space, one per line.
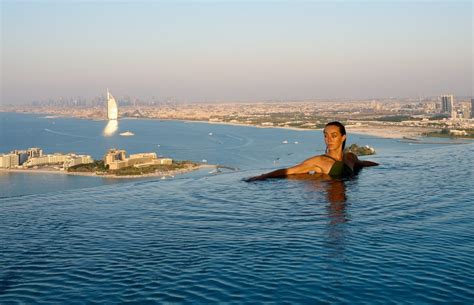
point(399, 233)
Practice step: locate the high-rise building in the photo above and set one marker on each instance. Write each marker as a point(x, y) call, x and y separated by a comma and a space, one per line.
point(22, 155)
point(9, 160)
point(34, 152)
point(472, 108)
point(114, 155)
point(447, 104)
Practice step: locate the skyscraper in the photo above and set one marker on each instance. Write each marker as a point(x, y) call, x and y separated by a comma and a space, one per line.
point(472, 108)
point(447, 104)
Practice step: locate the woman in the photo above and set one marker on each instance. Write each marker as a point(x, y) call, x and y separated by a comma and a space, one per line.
point(334, 162)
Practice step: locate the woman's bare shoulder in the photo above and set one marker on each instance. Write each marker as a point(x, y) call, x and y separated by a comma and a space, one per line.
point(317, 159)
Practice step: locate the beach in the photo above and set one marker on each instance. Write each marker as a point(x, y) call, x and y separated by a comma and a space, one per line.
point(170, 173)
point(388, 132)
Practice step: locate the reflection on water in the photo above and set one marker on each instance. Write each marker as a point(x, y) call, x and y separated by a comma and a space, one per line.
point(110, 128)
point(397, 233)
point(337, 217)
point(335, 191)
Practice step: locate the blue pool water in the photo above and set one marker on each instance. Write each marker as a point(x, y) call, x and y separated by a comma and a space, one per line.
point(397, 233)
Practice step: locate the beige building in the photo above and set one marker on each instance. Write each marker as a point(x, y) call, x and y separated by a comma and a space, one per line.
point(34, 152)
point(114, 155)
point(116, 159)
point(9, 160)
point(77, 160)
point(65, 161)
point(456, 132)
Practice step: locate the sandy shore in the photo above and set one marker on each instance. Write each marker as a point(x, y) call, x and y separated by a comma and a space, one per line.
point(156, 174)
point(382, 131)
point(390, 132)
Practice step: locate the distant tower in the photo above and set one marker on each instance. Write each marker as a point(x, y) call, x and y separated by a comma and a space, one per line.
point(112, 109)
point(447, 104)
point(472, 108)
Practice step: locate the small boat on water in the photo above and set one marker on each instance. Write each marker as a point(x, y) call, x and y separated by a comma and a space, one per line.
point(285, 142)
point(215, 171)
point(127, 134)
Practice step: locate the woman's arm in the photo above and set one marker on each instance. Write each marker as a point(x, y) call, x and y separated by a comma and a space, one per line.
point(302, 168)
point(365, 163)
point(353, 161)
point(279, 173)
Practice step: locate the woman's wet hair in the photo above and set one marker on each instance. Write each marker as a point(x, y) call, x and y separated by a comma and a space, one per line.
point(342, 130)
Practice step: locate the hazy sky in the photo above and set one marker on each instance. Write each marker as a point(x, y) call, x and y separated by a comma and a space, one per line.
point(242, 50)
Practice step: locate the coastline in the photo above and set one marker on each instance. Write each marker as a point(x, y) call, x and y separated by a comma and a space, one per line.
point(170, 173)
point(387, 132)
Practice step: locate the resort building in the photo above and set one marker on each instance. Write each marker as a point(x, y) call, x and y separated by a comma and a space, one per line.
point(34, 152)
point(64, 160)
point(9, 160)
point(22, 155)
point(114, 155)
point(77, 160)
point(456, 132)
point(116, 159)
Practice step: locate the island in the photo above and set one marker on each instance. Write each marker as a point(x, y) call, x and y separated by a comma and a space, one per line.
point(98, 168)
point(115, 164)
point(360, 150)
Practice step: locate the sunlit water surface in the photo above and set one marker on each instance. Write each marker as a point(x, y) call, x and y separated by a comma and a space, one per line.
point(397, 233)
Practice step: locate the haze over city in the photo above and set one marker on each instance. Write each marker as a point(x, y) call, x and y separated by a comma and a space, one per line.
point(208, 51)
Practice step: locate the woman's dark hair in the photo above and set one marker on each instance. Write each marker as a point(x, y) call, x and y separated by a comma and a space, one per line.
point(342, 130)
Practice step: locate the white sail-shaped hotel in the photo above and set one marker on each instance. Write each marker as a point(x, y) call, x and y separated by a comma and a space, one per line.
point(112, 109)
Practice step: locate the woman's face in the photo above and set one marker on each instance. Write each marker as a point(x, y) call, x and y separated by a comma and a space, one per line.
point(333, 137)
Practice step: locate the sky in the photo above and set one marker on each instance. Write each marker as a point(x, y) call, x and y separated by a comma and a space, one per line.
point(206, 51)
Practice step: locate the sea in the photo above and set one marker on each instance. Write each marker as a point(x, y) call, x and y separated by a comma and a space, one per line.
point(398, 233)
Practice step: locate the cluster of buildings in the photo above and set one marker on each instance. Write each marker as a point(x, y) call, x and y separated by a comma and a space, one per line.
point(117, 159)
point(447, 107)
point(34, 157)
point(114, 158)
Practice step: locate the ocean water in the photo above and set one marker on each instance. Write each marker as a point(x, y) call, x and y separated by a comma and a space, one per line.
point(398, 233)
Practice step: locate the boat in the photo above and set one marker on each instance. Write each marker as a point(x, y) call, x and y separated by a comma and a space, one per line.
point(210, 133)
point(112, 109)
point(127, 134)
point(215, 171)
point(285, 142)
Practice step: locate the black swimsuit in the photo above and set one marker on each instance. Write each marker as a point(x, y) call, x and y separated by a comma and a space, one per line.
point(339, 168)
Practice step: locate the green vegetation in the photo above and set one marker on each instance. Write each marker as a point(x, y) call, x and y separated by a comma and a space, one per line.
point(439, 117)
point(444, 133)
point(291, 119)
point(96, 166)
point(360, 150)
point(397, 118)
point(150, 169)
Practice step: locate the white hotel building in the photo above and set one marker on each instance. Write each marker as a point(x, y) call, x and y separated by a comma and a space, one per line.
point(9, 160)
point(66, 161)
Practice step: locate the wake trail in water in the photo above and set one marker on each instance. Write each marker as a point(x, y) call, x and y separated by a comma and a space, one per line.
point(67, 134)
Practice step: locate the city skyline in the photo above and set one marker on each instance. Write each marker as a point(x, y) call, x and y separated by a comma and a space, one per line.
point(203, 51)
